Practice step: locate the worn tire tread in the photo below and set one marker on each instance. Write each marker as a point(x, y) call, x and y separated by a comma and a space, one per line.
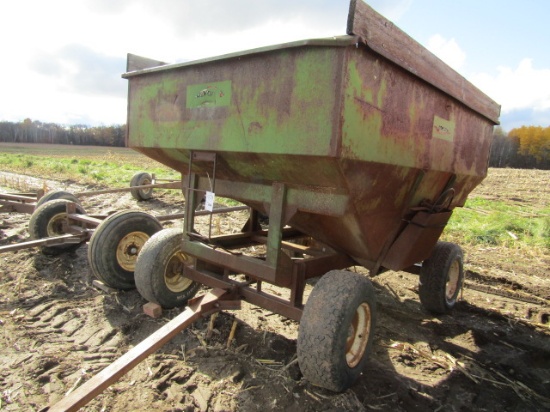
point(321, 360)
point(433, 277)
point(137, 180)
point(149, 274)
point(104, 241)
point(38, 224)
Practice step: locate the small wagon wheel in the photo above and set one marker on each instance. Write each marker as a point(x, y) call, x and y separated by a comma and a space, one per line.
point(115, 245)
point(441, 278)
point(336, 330)
point(141, 179)
point(57, 194)
point(48, 220)
point(159, 270)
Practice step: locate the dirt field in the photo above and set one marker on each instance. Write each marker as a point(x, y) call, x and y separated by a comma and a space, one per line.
point(492, 354)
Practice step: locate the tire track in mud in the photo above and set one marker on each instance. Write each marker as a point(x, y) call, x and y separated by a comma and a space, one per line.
point(486, 350)
point(507, 288)
point(64, 350)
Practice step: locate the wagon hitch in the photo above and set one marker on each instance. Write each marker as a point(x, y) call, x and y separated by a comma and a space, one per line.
point(214, 301)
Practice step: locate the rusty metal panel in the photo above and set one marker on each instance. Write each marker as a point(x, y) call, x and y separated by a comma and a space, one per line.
point(417, 240)
point(245, 105)
point(356, 137)
point(389, 41)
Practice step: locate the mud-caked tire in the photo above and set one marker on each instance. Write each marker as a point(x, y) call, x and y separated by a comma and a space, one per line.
point(57, 194)
point(47, 221)
point(141, 179)
point(337, 330)
point(441, 278)
point(159, 270)
point(115, 245)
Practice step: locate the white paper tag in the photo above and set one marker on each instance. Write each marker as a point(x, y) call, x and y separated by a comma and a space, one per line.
point(209, 201)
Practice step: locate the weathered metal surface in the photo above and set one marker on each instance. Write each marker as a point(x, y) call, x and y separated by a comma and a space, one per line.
point(50, 241)
point(357, 140)
point(389, 41)
point(22, 202)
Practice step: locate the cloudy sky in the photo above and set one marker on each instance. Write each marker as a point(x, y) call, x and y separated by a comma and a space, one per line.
point(62, 59)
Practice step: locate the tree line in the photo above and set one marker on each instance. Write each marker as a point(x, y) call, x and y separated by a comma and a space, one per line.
point(526, 147)
point(29, 131)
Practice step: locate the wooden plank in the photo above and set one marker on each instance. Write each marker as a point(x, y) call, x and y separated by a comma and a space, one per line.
point(113, 372)
point(388, 40)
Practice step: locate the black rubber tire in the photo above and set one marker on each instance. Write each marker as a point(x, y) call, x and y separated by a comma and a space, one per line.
point(115, 245)
point(339, 300)
point(46, 222)
point(57, 194)
point(441, 278)
point(159, 260)
point(141, 179)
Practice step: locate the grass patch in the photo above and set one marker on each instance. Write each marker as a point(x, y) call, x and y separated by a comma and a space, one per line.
point(499, 223)
point(104, 166)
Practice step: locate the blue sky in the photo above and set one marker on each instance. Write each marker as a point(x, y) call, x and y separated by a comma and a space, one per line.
point(62, 59)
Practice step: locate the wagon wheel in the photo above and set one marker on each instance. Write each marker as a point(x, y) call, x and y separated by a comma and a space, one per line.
point(441, 278)
point(336, 330)
point(141, 179)
point(115, 245)
point(57, 194)
point(47, 221)
point(159, 270)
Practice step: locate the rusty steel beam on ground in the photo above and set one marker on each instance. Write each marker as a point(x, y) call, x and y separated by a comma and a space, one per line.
point(49, 241)
point(21, 202)
point(214, 301)
point(12, 206)
point(171, 185)
point(22, 197)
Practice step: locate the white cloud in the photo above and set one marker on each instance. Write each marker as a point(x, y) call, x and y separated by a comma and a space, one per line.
point(447, 50)
point(524, 87)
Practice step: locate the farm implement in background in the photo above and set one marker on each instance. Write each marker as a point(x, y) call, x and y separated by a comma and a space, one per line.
point(141, 187)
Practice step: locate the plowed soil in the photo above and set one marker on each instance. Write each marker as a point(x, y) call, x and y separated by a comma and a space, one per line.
point(491, 354)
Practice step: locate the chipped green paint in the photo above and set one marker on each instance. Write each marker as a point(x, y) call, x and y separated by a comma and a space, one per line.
point(363, 136)
point(216, 94)
point(443, 129)
point(253, 115)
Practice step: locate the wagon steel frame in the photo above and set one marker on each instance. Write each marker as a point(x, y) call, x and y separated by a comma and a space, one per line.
point(78, 228)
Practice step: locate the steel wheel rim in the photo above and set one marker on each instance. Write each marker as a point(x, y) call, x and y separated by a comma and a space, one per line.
point(173, 274)
point(453, 278)
point(358, 335)
point(55, 225)
point(128, 249)
point(148, 190)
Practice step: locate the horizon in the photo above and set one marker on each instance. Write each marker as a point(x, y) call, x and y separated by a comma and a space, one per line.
point(76, 78)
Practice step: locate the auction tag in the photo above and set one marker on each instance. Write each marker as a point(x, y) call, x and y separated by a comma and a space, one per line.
point(209, 201)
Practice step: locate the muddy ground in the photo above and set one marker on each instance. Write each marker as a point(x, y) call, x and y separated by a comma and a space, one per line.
point(493, 354)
